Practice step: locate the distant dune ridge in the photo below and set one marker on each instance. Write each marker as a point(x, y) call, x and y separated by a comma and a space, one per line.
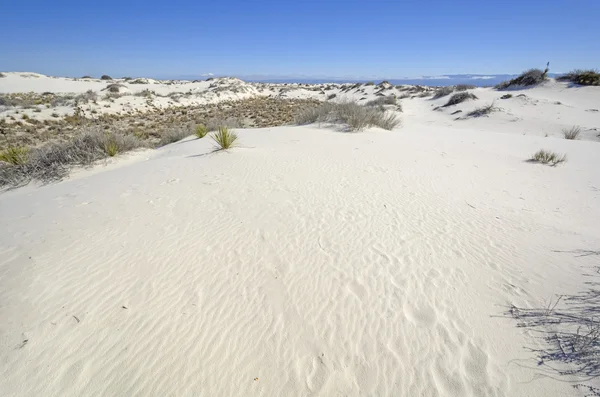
point(193, 239)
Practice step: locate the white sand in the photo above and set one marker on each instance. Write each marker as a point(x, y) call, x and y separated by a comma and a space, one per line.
point(305, 262)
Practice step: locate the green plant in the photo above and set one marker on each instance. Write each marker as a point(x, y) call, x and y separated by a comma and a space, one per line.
point(111, 147)
point(25, 117)
point(582, 77)
point(571, 133)
point(15, 155)
point(201, 131)
point(547, 157)
point(224, 138)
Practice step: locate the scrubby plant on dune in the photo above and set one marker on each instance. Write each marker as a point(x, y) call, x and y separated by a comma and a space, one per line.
point(582, 77)
point(547, 157)
point(2, 75)
point(571, 133)
point(528, 78)
point(464, 87)
point(200, 131)
point(355, 116)
point(53, 161)
point(482, 111)
point(459, 97)
point(382, 100)
point(14, 155)
point(106, 77)
point(224, 138)
point(175, 133)
point(443, 91)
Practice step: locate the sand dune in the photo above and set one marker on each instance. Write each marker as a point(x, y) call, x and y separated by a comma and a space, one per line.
point(305, 262)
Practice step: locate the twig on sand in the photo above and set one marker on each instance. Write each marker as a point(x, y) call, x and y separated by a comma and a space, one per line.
point(75, 317)
point(471, 205)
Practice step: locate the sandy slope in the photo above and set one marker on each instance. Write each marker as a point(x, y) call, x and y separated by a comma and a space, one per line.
point(305, 262)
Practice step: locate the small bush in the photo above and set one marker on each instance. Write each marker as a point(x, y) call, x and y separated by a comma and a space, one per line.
point(174, 134)
point(87, 77)
point(138, 81)
point(86, 97)
point(548, 157)
point(370, 83)
point(105, 77)
point(530, 77)
point(25, 117)
point(459, 97)
point(14, 155)
point(214, 123)
point(443, 91)
point(571, 133)
point(331, 96)
point(201, 131)
point(2, 75)
point(383, 100)
point(464, 87)
point(506, 96)
point(581, 77)
point(224, 138)
point(114, 88)
point(356, 116)
point(482, 111)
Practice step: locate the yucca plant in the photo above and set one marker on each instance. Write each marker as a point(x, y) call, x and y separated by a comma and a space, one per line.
point(111, 147)
point(201, 131)
point(224, 138)
point(15, 155)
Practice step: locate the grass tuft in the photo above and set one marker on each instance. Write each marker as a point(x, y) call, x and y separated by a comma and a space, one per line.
point(459, 97)
point(224, 138)
point(464, 87)
point(530, 77)
point(548, 157)
point(571, 133)
point(582, 77)
point(201, 131)
point(355, 116)
point(443, 91)
point(482, 111)
point(15, 155)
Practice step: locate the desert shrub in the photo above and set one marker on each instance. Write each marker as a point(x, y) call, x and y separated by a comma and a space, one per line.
point(581, 77)
point(530, 77)
point(61, 100)
point(331, 96)
point(105, 77)
point(138, 81)
point(145, 93)
point(482, 111)
point(224, 138)
point(14, 155)
point(114, 88)
point(86, 97)
point(356, 116)
point(547, 157)
point(506, 96)
point(201, 131)
point(87, 77)
point(571, 133)
point(383, 100)
point(175, 133)
point(443, 91)
point(424, 94)
point(214, 123)
point(2, 75)
point(370, 83)
point(459, 97)
point(53, 161)
point(464, 87)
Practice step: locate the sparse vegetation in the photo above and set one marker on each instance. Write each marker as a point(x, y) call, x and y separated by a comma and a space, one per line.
point(213, 124)
point(547, 157)
point(331, 96)
point(114, 88)
point(571, 133)
point(138, 81)
point(174, 133)
point(224, 138)
point(2, 75)
point(201, 131)
point(382, 100)
point(582, 77)
point(464, 87)
point(86, 97)
point(370, 83)
point(528, 78)
point(53, 161)
point(14, 155)
point(105, 77)
point(482, 111)
point(87, 77)
point(355, 116)
point(459, 97)
point(443, 91)
point(506, 96)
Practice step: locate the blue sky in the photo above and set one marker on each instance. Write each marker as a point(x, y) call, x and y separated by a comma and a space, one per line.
point(315, 38)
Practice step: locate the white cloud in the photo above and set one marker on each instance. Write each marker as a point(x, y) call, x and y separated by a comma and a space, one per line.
point(207, 74)
point(482, 77)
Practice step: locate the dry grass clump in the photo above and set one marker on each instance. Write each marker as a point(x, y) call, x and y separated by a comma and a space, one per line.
point(114, 88)
point(443, 91)
point(53, 161)
point(213, 124)
point(482, 111)
point(86, 97)
point(383, 100)
point(547, 157)
point(571, 133)
point(530, 77)
point(464, 87)
point(174, 133)
point(355, 116)
point(14, 155)
point(581, 77)
point(200, 131)
point(224, 138)
point(459, 97)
